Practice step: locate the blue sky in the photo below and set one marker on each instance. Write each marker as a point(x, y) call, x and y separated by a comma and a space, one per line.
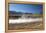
point(29, 8)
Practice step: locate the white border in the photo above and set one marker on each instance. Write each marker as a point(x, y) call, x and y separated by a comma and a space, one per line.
point(2, 16)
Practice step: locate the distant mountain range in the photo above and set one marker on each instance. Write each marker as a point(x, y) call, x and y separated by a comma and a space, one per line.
point(14, 12)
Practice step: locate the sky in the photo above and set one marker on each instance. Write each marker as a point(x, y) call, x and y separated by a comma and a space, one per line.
point(26, 8)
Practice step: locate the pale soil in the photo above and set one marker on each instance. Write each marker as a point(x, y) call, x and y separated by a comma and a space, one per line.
point(27, 26)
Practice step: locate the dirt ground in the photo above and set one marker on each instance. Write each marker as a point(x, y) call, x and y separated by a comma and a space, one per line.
point(27, 26)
